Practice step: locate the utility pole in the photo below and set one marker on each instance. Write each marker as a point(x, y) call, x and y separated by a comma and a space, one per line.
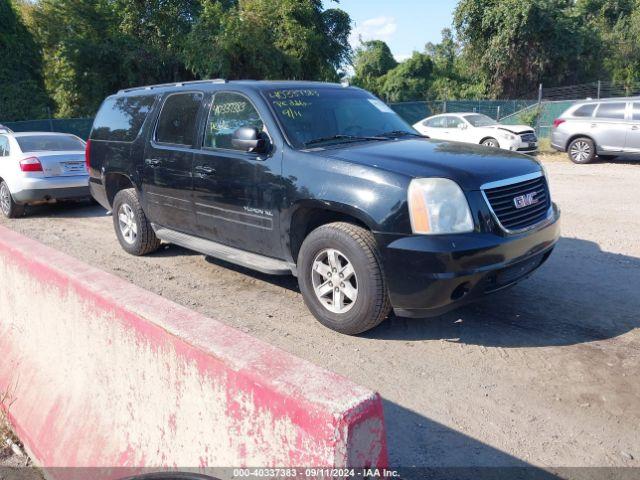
point(539, 95)
point(599, 87)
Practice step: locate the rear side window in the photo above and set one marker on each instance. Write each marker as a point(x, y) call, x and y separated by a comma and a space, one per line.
point(585, 110)
point(437, 122)
point(178, 119)
point(120, 119)
point(613, 111)
point(50, 143)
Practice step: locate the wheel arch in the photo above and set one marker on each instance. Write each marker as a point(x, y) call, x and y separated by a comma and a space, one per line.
point(310, 215)
point(487, 137)
point(580, 135)
point(114, 182)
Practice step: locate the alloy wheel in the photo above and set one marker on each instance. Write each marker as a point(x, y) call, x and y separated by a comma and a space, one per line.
point(5, 199)
point(334, 281)
point(580, 151)
point(127, 223)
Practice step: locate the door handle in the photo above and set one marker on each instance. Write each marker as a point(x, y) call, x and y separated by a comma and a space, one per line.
point(152, 162)
point(205, 170)
point(635, 127)
point(594, 125)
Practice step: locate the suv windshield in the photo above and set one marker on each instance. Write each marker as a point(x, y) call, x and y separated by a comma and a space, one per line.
point(479, 120)
point(51, 143)
point(316, 116)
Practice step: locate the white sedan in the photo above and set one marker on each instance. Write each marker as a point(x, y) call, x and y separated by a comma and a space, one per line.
point(40, 167)
point(479, 129)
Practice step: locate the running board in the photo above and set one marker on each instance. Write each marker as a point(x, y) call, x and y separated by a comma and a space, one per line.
point(236, 256)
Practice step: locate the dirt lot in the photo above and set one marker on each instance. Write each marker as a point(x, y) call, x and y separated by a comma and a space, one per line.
point(544, 374)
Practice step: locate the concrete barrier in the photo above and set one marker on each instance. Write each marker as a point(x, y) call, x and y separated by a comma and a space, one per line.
point(103, 373)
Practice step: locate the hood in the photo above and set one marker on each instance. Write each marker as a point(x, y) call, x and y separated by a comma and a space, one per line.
point(469, 165)
point(513, 128)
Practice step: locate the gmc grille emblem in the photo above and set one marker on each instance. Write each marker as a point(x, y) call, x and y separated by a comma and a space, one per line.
point(525, 200)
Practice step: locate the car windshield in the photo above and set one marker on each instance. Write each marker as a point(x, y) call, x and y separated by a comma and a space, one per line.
point(50, 143)
point(322, 116)
point(479, 120)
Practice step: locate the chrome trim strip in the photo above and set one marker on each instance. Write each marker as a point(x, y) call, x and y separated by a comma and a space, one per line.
point(512, 181)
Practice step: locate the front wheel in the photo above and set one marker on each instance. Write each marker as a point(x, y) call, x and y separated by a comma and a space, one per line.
point(133, 230)
point(491, 142)
point(341, 279)
point(582, 150)
point(10, 209)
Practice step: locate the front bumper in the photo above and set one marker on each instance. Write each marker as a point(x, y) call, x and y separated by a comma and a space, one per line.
point(52, 188)
point(517, 145)
point(430, 275)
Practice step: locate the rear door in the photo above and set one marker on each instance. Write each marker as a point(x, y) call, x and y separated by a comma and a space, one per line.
point(609, 126)
point(633, 131)
point(167, 186)
point(237, 194)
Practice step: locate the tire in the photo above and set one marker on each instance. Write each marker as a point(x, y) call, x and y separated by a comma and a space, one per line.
point(9, 208)
point(342, 245)
point(581, 150)
point(490, 142)
point(132, 227)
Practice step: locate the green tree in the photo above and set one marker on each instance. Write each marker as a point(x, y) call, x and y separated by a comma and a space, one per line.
point(372, 60)
point(409, 81)
point(516, 44)
point(22, 92)
point(268, 39)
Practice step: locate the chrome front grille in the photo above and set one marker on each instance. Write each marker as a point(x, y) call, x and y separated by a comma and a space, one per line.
point(520, 205)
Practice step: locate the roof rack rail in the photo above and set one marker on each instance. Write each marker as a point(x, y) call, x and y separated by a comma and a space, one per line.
point(173, 84)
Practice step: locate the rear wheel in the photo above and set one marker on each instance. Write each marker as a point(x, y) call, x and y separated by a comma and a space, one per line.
point(582, 150)
point(10, 209)
point(341, 279)
point(131, 224)
point(491, 142)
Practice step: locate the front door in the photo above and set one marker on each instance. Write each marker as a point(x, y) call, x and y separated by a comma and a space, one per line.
point(167, 186)
point(237, 194)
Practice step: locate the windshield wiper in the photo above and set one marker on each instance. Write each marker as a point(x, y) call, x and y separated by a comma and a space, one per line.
point(331, 138)
point(399, 133)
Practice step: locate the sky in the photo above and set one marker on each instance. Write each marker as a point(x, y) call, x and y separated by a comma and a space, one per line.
point(406, 25)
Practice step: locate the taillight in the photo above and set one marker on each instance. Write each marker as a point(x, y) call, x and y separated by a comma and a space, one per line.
point(558, 121)
point(87, 155)
point(31, 164)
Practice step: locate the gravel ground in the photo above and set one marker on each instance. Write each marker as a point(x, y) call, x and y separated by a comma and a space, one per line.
point(545, 374)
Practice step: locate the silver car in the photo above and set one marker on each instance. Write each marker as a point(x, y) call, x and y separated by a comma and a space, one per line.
point(606, 128)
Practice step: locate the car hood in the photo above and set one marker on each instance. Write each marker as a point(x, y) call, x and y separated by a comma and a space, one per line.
point(469, 165)
point(510, 128)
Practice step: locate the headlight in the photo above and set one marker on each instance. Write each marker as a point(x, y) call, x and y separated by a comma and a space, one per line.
point(507, 135)
point(437, 206)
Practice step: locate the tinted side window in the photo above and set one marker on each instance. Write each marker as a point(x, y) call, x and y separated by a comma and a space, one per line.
point(585, 110)
point(453, 122)
point(437, 122)
point(177, 124)
point(120, 119)
point(229, 112)
point(4, 146)
point(636, 111)
point(611, 110)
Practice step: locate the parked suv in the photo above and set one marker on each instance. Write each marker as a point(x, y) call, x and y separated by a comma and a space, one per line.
point(324, 182)
point(605, 128)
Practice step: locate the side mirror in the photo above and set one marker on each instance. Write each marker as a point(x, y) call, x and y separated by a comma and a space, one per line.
point(248, 139)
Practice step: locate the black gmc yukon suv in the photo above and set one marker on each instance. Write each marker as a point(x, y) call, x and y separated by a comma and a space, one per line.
point(324, 182)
